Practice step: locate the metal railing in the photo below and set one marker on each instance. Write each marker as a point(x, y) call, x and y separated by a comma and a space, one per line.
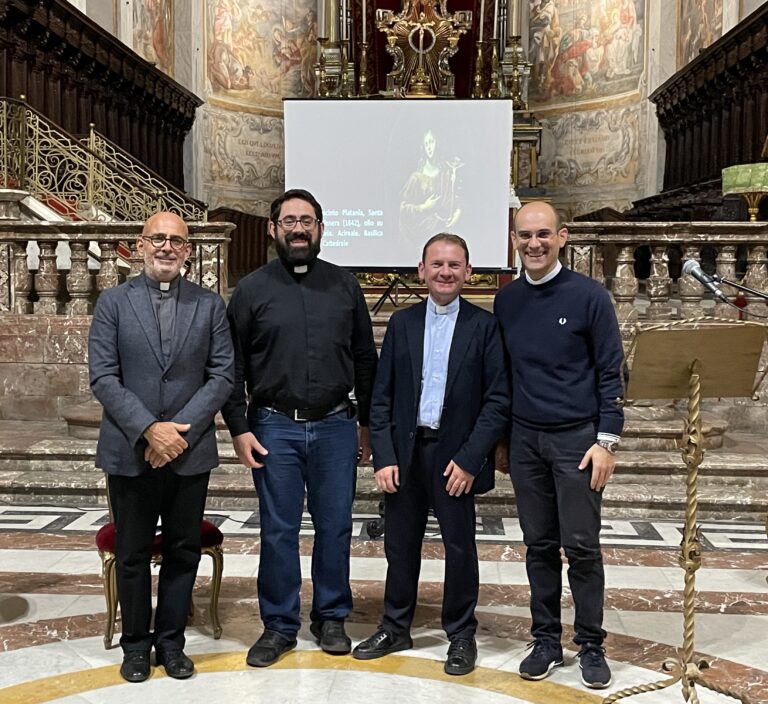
point(41, 158)
point(170, 196)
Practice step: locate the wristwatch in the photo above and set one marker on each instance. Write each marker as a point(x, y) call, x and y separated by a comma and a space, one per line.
point(610, 445)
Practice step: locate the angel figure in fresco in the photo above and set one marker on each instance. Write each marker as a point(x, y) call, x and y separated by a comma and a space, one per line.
point(430, 200)
point(623, 39)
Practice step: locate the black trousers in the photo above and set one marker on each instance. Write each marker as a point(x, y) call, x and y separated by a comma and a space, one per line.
point(137, 503)
point(557, 508)
point(406, 515)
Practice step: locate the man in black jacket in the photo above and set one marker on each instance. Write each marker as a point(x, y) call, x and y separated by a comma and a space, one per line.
point(440, 402)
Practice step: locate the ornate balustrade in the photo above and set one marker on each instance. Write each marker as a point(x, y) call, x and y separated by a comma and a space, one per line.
point(50, 290)
point(614, 253)
point(91, 181)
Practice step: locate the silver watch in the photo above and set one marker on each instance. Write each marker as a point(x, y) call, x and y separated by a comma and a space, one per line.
point(610, 445)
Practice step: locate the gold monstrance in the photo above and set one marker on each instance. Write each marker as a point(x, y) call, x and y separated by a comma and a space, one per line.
point(421, 39)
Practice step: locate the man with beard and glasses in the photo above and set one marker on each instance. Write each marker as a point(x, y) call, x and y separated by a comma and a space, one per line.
point(303, 341)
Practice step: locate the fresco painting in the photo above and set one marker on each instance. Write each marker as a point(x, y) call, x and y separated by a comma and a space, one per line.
point(258, 52)
point(584, 50)
point(153, 32)
point(699, 23)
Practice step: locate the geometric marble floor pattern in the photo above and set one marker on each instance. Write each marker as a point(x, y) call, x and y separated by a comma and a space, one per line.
point(52, 613)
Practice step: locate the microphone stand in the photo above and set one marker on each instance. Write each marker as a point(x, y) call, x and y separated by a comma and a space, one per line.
point(741, 287)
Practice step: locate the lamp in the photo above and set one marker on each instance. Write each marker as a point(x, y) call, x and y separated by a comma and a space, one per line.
point(749, 181)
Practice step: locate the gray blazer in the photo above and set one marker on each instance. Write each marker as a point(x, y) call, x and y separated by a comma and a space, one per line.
point(129, 375)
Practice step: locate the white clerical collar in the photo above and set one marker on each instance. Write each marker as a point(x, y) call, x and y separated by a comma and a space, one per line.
point(547, 277)
point(301, 269)
point(452, 307)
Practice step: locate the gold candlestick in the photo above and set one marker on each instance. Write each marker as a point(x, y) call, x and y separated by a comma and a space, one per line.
point(493, 91)
point(477, 81)
point(344, 83)
point(363, 89)
point(320, 87)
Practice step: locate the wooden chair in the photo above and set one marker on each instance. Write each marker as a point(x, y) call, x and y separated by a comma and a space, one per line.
point(211, 539)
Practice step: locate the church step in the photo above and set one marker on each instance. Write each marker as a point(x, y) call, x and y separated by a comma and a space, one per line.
point(41, 463)
point(235, 491)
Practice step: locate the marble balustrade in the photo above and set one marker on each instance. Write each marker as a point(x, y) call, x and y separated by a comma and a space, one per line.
point(52, 289)
point(618, 254)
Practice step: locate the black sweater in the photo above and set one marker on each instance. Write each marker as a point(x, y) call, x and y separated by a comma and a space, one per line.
point(565, 352)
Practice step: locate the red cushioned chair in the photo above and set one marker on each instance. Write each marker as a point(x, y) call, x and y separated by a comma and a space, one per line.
point(211, 540)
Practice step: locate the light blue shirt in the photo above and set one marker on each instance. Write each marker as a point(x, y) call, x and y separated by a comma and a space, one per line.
point(438, 334)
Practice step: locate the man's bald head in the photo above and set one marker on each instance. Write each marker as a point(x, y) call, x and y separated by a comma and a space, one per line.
point(164, 245)
point(541, 208)
point(165, 222)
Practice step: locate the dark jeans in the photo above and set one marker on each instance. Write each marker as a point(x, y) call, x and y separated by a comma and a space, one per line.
point(321, 456)
point(406, 518)
point(137, 503)
point(557, 508)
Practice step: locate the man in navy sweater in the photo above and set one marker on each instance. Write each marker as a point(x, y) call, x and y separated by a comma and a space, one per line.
point(566, 358)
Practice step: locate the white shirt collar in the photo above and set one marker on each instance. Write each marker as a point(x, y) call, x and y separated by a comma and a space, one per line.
point(436, 309)
point(547, 277)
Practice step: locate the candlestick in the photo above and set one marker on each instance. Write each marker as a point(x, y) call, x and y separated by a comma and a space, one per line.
point(477, 81)
point(333, 22)
point(482, 18)
point(321, 13)
point(496, 19)
point(513, 23)
point(364, 21)
point(363, 90)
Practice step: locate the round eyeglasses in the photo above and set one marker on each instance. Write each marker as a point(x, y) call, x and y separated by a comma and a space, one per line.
point(158, 240)
point(289, 222)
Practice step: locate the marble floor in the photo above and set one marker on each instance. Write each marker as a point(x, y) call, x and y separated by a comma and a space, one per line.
point(52, 614)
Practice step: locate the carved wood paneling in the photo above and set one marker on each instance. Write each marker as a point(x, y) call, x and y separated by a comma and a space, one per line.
point(75, 73)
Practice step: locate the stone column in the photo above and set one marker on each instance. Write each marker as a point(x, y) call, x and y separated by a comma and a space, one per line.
point(78, 280)
point(657, 285)
point(47, 280)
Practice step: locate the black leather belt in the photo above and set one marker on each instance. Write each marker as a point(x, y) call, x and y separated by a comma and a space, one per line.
point(426, 433)
point(306, 415)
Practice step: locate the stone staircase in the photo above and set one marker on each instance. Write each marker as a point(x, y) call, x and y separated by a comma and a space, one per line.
point(51, 462)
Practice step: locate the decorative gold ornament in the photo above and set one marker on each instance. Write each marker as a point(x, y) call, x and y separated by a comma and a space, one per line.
point(421, 39)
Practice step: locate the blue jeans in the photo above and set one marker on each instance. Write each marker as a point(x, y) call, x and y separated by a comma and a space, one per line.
point(321, 455)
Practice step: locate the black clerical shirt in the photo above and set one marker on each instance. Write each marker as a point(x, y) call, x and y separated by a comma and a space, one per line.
point(164, 297)
point(301, 341)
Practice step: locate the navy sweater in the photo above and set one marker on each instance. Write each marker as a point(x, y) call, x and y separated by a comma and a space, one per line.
point(565, 352)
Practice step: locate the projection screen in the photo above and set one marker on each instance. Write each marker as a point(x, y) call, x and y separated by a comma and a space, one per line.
point(392, 173)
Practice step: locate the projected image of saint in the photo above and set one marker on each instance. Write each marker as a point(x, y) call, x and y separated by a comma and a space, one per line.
point(430, 198)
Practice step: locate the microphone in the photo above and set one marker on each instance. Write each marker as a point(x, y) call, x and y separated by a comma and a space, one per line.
point(692, 268)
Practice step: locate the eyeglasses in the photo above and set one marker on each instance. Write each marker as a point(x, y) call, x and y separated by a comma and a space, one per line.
point(158, 241)
point(544, 235)
point(289, 222)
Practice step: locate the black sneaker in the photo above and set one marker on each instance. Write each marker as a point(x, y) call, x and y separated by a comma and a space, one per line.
point(331, 636)
point(595, 672)
point(545, 657)
point(267, 649)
